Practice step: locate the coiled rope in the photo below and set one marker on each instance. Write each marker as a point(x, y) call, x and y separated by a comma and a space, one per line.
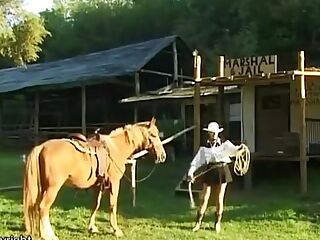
point(240, 168)
point(242, 162)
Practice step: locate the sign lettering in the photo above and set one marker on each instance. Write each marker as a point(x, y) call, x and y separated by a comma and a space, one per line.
point(250, 65)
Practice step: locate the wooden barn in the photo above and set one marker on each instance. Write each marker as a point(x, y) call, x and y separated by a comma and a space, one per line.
point(82, 93)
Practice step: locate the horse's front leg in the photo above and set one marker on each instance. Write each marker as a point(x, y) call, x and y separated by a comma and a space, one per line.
point(97, 195)
point(113, 208)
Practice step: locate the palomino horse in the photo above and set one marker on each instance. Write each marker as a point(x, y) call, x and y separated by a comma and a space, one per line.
point(58, 162)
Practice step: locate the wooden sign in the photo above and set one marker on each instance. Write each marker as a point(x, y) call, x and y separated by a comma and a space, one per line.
point(250, 65)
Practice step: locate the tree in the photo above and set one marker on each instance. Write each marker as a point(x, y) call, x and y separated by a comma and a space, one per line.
point(21, 32)
point(84, 26)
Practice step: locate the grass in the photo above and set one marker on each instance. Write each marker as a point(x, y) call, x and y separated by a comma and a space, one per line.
point(273, 210)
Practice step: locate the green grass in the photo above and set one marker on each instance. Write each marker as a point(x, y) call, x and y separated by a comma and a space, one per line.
point(273, 210)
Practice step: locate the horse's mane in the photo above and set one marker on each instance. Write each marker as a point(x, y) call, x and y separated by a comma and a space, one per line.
point(135, 133)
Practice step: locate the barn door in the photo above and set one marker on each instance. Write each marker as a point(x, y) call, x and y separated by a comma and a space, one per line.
point(272, 115)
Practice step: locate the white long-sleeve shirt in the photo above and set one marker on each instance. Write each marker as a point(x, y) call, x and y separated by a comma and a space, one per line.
point(215, 154)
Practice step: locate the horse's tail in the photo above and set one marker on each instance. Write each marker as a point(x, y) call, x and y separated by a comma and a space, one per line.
point(32, 191)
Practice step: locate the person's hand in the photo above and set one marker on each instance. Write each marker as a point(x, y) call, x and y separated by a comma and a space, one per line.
point(240, 147)
point(190, 178)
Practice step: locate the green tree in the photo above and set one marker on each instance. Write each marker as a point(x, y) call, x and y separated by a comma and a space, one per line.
point(81, 26)
point(21, 32)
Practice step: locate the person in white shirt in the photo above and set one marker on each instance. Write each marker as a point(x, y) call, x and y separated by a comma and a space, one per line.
point(217, 174)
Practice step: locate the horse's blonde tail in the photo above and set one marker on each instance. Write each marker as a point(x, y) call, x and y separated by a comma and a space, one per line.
point(32, 191)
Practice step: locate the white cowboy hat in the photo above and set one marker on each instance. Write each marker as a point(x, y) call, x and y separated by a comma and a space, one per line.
point(213, 127)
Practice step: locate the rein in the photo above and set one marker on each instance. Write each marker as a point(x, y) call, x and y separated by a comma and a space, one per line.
point(240, 168)
point(128, 178)
point(192, 203)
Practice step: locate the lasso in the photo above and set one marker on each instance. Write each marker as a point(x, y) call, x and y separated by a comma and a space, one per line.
point(242, 162)
point(240, 168)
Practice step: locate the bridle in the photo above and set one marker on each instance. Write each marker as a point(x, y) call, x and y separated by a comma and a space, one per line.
point(150, 144)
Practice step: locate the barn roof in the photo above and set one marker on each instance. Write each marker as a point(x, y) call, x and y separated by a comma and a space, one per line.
point(89, 69)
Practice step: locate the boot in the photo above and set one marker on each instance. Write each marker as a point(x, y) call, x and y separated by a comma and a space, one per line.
point(198, 221)
point(217, 223)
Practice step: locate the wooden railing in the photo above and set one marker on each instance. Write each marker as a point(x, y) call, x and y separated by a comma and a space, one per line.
point(24, 133)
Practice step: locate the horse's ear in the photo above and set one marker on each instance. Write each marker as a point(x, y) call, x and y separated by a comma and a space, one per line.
point(153, 121)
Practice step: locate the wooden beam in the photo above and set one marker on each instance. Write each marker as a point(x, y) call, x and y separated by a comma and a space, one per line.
point(196, 103)
point(36, 117)
point(303, 134)
point(83, 109)
point(165, 74)
point(306, 73)
point(175, 64)
point(137, 92)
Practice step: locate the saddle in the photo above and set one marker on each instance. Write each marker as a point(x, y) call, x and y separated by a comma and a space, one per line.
point(95, 148)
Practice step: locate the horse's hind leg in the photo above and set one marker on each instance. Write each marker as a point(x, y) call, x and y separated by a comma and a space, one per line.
point(113, 208)
point(96, 204)
point(48, 197)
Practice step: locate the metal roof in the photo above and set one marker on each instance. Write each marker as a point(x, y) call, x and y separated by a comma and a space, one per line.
point(81, 69)
point(170, 92)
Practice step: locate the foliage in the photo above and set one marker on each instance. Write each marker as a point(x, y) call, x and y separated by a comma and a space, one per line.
point(80, 27)
point(216, 27)
point(21, 32)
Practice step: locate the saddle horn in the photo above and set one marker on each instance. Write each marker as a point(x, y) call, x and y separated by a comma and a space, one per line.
point(97, 131)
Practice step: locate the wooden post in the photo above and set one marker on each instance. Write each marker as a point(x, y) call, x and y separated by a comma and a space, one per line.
point(220, 99)
point(303, 135)
point(133, 182)
point(248, 176)
point(136, 119)
point(180, 81)
point(183, 117)
point(1, 106)
point(137, 92)
point(175, 64)
point(83, 109)
point(196, 103)
point(36, 117)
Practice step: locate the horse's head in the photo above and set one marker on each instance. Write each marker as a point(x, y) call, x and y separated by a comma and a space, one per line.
point(154, 141)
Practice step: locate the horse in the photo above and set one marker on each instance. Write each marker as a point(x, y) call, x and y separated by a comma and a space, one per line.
point(58, 162)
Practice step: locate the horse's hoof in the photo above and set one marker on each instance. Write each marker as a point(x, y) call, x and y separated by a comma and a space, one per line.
point(118, 233)
point(93, 229)
point(196, 227)
point(218, 227)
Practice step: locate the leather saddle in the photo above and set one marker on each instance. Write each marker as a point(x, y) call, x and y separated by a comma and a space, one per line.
point(93, 146)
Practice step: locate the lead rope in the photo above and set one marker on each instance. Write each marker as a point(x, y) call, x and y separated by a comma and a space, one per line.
point(240, 168)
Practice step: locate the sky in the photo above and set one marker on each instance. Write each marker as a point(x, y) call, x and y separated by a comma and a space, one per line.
point(37, 6)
